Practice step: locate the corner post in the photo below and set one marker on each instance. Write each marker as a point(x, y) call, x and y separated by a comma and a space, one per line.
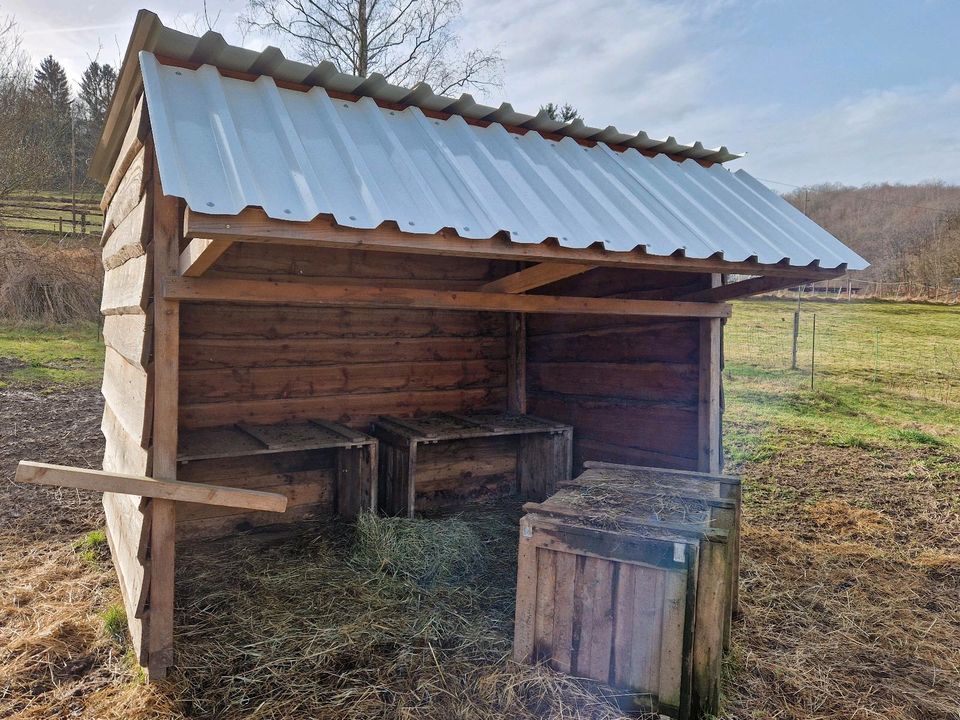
point(708, 433)
point(517, 363)
point(166, 357)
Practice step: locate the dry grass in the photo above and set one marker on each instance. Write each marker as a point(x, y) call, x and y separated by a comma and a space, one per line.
point(390, 618)
point(46, 282)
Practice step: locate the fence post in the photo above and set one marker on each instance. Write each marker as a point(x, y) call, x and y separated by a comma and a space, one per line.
point(83, 223)
point(796, 330)
point(813, 351)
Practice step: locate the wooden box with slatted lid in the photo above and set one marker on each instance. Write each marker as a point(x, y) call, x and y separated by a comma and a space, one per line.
point(447, 459)
point(322, 467)
point(626, 581)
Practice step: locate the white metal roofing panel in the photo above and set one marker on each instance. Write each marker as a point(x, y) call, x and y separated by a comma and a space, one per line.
point(225, 144)
point(149, 34)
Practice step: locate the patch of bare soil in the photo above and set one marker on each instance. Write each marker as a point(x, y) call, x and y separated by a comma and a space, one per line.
point(850, 586)
point(56, 661)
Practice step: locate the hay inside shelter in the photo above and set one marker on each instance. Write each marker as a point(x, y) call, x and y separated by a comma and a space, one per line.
point(387, 617)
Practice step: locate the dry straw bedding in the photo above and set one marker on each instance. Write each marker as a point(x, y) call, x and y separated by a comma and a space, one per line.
point(851, 581)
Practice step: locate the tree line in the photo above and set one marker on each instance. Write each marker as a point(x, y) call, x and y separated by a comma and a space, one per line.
point(909, 233)
point(48, 133)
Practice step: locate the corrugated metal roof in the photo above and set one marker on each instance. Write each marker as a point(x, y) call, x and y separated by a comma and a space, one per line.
point(149, 34)
point(225, 144)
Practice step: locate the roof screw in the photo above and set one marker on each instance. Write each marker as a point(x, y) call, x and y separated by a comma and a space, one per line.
point(411, 222)
point(209, 204)
point(353, 217)
point(392, 112)
point(179, 73)
point(436, 122)
point(345, 105)
point(466, 227)
point(564, 239)
point(287, 211)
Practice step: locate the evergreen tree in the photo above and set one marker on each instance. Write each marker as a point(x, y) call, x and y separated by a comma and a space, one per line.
point(562, 113)
point(53, 129)
point(51, 87)
point(96, 90)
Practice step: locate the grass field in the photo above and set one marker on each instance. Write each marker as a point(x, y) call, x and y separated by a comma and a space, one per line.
point(851, 548)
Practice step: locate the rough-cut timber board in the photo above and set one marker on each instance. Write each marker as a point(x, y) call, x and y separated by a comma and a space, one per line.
point(128, 392)
point(132, 575)
point(122, 454)
point(128, 194)
point(130, 335)
point(126, 289)
point(130, 238)
point(133, 141)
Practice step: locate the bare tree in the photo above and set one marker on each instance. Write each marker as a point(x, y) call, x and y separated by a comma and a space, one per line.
point(406, 41)
point(25, 160)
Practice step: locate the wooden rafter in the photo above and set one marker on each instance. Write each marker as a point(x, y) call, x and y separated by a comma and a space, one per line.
point(742, 288)
point(264, 291)
point(534, 277)
point(102, 481)
point(253, 225)
point(199, 254)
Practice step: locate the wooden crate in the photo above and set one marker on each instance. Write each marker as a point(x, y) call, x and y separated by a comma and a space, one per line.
point(614, 562)
point(322, 467)
point(688, 484)
point(443, 460)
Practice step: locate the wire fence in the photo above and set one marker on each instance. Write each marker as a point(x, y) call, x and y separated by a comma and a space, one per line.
point(847, 288)
point(912, 349)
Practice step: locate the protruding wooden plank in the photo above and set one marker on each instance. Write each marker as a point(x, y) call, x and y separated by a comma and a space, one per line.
point(534, 277)
point(103, 481)
point(200, 254)
point(563, 610)
point(268, 291)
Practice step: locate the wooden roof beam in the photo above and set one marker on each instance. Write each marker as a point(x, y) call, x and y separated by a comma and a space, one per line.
point(200, 254)
point(742, 288)
point(534, 277)
point(102, 481)
point(253, 225)
point(271, 292)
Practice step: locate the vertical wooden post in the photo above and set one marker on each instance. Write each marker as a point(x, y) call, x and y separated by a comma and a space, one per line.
point(517, 363)
point(166, 357)
point(708, 440)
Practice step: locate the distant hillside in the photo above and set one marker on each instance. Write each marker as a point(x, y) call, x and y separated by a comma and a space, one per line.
point(891, 226)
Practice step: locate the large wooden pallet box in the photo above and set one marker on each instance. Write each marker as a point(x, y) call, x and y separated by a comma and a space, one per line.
point(626, 584)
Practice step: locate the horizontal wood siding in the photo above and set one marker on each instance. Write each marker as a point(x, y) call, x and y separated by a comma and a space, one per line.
point(127, 381)
point(628, 386)
point(265, 364)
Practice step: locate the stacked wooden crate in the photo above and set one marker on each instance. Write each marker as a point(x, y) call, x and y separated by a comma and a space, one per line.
point(447, 459)
point(627, 576)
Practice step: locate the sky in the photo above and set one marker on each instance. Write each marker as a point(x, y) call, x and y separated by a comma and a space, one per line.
point(814, 91)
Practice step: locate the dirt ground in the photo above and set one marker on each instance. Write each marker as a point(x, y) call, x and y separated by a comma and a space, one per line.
point(850, 583)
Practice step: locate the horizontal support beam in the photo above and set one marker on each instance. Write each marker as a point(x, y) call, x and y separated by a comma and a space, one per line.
point(742, 288)
point(199, 254)
point(253, 225)
point(534, 277)
point(268, 291)
point(102, 481)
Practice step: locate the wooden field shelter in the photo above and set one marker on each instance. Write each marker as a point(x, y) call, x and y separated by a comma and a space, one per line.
point(298, 260)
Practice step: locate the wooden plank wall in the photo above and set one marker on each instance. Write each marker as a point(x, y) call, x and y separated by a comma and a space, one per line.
point(265, 364)
point(628, 386)
point(127, 376)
